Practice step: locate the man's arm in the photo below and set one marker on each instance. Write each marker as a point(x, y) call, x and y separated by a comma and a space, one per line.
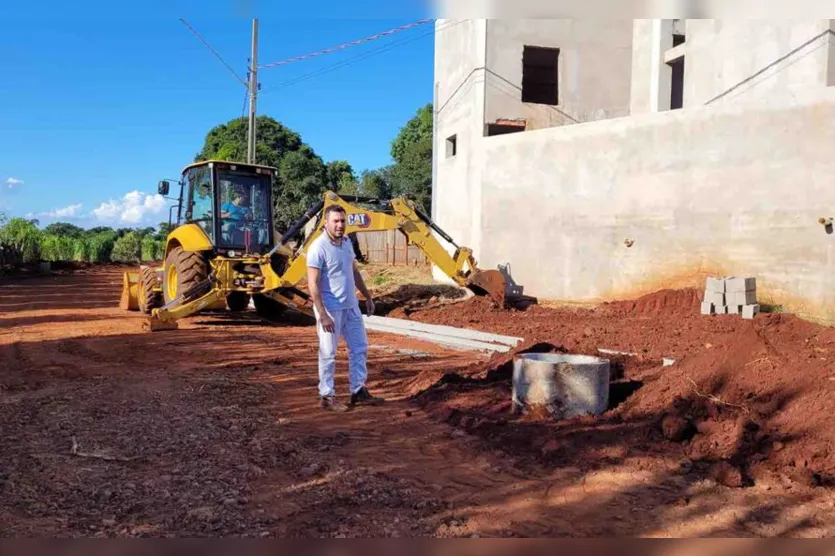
point(315, 263)
point(313, 274)
point(369, 303)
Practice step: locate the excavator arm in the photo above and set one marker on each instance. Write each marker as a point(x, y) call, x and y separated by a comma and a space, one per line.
point(400, 214)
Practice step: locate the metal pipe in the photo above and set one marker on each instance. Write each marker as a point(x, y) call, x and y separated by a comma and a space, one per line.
point(432, 225)
point(298, 225)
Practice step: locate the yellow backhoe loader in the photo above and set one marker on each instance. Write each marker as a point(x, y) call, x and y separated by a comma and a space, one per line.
point(222, 252)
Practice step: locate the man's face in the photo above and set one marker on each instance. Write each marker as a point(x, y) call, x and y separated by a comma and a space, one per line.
point(335, 224)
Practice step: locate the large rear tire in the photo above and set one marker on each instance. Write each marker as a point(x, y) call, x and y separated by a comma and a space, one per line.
point(148, 299)
point(237, 301)
point(183, 271)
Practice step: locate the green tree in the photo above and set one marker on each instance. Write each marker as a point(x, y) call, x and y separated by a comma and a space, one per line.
point(128, 248)
point(412, 175)
point(340, 177)
point(24, 236)
point(100, 246)
point(417, 128)
point(81, 250)
point(164, 229)
point(377, 183)
point(57, 248)
point(64, 229)
point(301, 173)
point(301, 185)
point(99, 230)
point(152, 248)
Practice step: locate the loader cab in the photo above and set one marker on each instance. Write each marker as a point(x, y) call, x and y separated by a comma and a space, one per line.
point(231, 202)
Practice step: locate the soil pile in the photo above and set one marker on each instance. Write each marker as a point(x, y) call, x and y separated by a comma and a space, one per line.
point(745, 399)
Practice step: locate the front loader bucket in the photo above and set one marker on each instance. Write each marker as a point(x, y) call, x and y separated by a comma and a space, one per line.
point(491, 283)
point(130, 292)
point(155, 324)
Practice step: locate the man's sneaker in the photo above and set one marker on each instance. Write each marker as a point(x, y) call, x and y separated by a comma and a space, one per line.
point(330, 403)
point(363, 397)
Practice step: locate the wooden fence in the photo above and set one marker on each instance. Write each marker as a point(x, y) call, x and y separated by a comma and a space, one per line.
point(390, 247)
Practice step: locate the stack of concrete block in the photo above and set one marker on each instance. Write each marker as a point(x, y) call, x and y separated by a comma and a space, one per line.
point(731, 295)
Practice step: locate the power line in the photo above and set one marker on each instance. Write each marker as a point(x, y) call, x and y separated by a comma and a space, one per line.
point(204, 41)
point(343, 46)
point(334, 67)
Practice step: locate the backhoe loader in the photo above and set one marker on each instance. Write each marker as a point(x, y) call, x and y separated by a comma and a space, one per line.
point(222, 252)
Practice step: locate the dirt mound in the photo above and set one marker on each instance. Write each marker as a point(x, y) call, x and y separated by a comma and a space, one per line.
point(744, 400)
point(499, 368)
point(766, 385)
point(661, 302)
point(402, 301)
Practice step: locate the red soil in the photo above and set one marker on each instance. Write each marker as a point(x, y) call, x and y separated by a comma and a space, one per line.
point(745, 399)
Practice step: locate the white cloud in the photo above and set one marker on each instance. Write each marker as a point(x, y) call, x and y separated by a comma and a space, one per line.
point(68, 212)
point(12, 182)
point(134, 208)
point(71, 211)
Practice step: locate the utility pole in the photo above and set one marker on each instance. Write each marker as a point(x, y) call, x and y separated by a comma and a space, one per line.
point(253, 93)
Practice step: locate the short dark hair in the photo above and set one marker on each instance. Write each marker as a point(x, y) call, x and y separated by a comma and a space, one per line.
point(333, 208)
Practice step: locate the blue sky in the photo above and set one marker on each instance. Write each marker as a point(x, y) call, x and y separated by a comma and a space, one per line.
point(99, 103)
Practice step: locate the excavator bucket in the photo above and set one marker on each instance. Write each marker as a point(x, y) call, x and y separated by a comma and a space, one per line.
point(491, 283)
point(130, 292)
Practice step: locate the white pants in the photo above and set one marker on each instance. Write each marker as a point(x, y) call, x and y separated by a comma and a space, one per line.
point(348, 324)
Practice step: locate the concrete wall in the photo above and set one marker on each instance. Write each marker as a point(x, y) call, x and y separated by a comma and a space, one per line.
point(722, 53)
point(460, 113)
point(594, 69)
point(733, 59)
point(734, 189)
point(459, 104)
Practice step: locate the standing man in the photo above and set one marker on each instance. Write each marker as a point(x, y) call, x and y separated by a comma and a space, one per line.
point(333, 278)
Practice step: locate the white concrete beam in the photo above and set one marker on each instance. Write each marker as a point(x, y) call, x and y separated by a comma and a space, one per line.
point(452, 331)
point(675, 53)
point(660, 73)
point(458, 338)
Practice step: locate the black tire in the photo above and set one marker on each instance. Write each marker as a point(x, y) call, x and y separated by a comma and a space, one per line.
point(148, 298)
point(191, 268)
point(237, 301)
point(267, 308)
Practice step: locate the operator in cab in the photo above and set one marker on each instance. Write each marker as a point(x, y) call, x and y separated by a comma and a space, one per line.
point(236, 210)
point(333, 278)
point(236, 215)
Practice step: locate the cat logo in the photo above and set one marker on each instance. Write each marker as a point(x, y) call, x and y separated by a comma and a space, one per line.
point(360, 220)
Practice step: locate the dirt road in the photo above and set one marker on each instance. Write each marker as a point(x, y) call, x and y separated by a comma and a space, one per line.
point(214, 429)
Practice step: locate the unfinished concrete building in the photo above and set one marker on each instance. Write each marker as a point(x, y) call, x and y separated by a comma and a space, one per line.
point(606, 159)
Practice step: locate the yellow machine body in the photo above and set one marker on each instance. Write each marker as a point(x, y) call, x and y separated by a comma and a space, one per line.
point(214, 279)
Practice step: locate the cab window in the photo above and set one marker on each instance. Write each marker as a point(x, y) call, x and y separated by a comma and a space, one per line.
point(201, 211)
point(244, 209)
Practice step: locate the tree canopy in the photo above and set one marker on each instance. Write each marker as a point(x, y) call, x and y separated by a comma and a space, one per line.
point(302, 175)
point(418, 128)
point(411, 173)
point(64, 229)
point(340, 177)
